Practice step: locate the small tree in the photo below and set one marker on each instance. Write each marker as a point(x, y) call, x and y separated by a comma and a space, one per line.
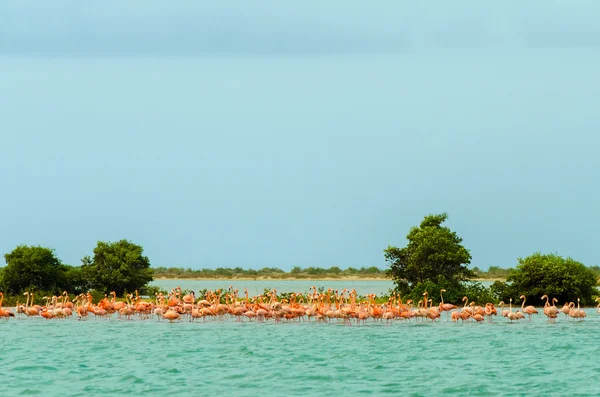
point(33, 267)
point(434, 255)
point(538, 274)
point(119, 267)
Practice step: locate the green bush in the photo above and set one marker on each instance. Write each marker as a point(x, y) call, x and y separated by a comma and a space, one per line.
point(433, 251)
point(564, 279)
point(33, 267)
point(119, 266)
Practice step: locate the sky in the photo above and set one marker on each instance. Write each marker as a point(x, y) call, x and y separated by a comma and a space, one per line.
point(269, 133)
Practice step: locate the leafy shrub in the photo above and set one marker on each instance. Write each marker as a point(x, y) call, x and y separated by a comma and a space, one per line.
point(564, 279)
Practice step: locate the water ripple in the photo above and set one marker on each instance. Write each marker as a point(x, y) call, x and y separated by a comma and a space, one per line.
point(100, 358)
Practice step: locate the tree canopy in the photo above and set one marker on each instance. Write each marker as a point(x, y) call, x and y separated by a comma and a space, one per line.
point(563, 278)
point(434, 256)
point(117, 266)
point(32, 267)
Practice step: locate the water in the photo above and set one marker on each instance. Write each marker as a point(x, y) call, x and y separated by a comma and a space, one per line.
point(152, 358)
point(255, 287)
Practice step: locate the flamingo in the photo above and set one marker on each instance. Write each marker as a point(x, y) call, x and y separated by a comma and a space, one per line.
point(171, 315)
point(445, 307)
point(190, 298)
point(125, 309)
point(82, 311)
point(433, 312)
point(160, 300)
point(4, 312)
point(388, 314)
point(503, 312)
point(196, 312)
point(455, 316)
point(566, 309)
point(490, 311)
point(58, 311)
point(519, 315)
point(329, 306)
point(66, 303)
point(118, 305)
point(529, 309)
point(550, 310)
point(580, 314)
point(20, 308)
point(46, 312)
point(421, 311)
point(466, 312)
point(173, 297)
point(511, 316)
point(29, 309)
point(477, 316)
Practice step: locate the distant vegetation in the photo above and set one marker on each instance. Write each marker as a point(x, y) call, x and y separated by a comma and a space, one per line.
point(270, 272)
point(493, 273)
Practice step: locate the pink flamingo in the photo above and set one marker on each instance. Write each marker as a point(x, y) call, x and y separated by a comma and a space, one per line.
point(511, 316)
point(4, 312)
point(566, 309)
point(580, 313)
point(550, 310)
point(445, 307)
point(529, 310)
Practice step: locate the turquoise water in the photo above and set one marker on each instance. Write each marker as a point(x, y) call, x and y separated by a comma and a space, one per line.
point(152, 358)
point(256, 287)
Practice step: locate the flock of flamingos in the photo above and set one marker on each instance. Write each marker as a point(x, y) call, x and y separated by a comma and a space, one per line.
point(324, 307)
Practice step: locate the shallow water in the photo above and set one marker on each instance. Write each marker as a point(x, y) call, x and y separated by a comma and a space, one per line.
point(119, 357)
point(255, 287)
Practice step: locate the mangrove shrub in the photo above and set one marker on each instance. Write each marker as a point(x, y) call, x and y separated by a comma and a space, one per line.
point(32, 267)
point(117, 266)
point(563, 278)
point(434, 257)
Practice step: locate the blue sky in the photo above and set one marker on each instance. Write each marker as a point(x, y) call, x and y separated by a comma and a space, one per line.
point(276, 134)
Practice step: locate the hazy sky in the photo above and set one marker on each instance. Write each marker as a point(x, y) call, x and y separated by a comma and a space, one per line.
point(268, 133)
